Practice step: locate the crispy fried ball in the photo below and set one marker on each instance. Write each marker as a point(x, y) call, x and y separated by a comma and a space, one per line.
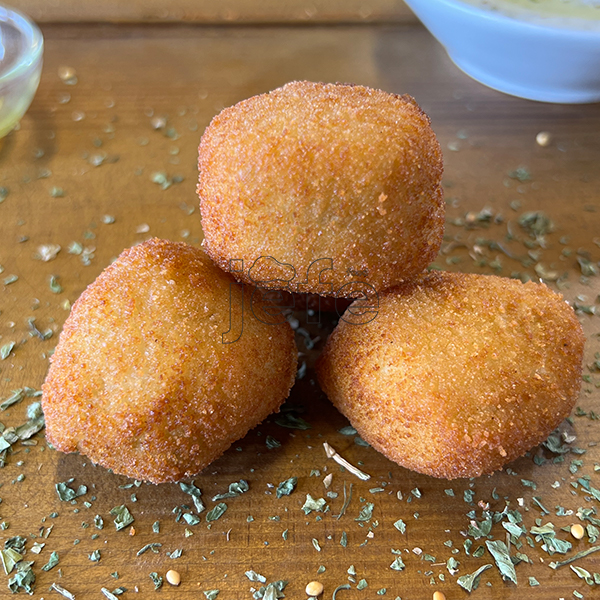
point(146, 380)
point(319, 184)
point(457, 374)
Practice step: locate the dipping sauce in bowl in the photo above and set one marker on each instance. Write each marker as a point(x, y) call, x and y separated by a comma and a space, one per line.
point(577, 14)
point(21, 49)
point(546, 50)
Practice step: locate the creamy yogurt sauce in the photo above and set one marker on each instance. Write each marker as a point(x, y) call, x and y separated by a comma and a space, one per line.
point(572, 14)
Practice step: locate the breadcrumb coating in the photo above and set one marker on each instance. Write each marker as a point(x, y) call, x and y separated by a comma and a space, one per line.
point(319, 185)
point(141, 381)
point(458, 374)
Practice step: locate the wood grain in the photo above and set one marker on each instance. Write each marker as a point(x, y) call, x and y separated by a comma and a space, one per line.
point(96, 141)
point(217, 11)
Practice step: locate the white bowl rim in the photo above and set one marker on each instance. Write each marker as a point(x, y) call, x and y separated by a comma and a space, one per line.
point(467, 7)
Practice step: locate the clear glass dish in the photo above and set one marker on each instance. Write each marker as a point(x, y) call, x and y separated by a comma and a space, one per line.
point(21, 51)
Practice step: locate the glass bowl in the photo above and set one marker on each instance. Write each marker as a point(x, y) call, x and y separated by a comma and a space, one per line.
point(21, 50)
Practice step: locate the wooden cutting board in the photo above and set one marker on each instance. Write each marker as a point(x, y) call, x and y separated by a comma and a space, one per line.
point(108, 159)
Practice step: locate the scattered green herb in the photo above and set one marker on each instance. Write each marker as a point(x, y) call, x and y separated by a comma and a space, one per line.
point(195, 493)
point(122, 516)
point(217, 512)
point(272, 443)
point(191, 518)
point(235, 489)
point(52, 562)
point(471, 582)
point(94, 556)
point(4, 354)
point(366, 512)
point(582, 554)
point(157, 580)
point(347, 430)
point(582, 574)
point(256, 577)
point(452, 565)
point(55, 287)
point(288, 418)
point(154, 547)
point(313, 504)
point(285, 488)
point(66, 493)
point(9, 557)
point(501, 555)
point(23, 579)
point(400, 525)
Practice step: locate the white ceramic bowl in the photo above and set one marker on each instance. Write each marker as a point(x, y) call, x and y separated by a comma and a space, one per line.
point(547, 60)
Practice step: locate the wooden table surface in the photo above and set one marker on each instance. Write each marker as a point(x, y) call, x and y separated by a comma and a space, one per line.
point(92, 149)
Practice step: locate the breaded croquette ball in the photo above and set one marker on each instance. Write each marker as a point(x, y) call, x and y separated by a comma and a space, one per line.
point(314, 185)
point(457, 374)
point(157, 371)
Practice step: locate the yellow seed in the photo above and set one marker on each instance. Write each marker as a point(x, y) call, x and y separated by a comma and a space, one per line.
point(314, 589)
point(543, 138)
point(439, 596)
point(173, 577)
point(577, 531)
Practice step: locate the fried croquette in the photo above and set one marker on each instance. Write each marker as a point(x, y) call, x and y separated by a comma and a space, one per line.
point(150, 377)
point(314, 185)
point(457, 374)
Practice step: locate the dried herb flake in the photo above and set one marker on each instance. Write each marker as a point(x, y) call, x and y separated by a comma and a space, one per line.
point(256, 577)
point(366, 512)
point(501, 556)
point(122, 516)
point(313, 504)
point(156, 579)
point(471, 581)
point(285, 488)
point(52, 562)
point(195, 493)
point(235, 489)
point(216, 513)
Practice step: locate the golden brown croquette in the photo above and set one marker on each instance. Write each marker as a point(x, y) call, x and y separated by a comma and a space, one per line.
point(142, 382)
point(314, 185)
point(457, 374)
